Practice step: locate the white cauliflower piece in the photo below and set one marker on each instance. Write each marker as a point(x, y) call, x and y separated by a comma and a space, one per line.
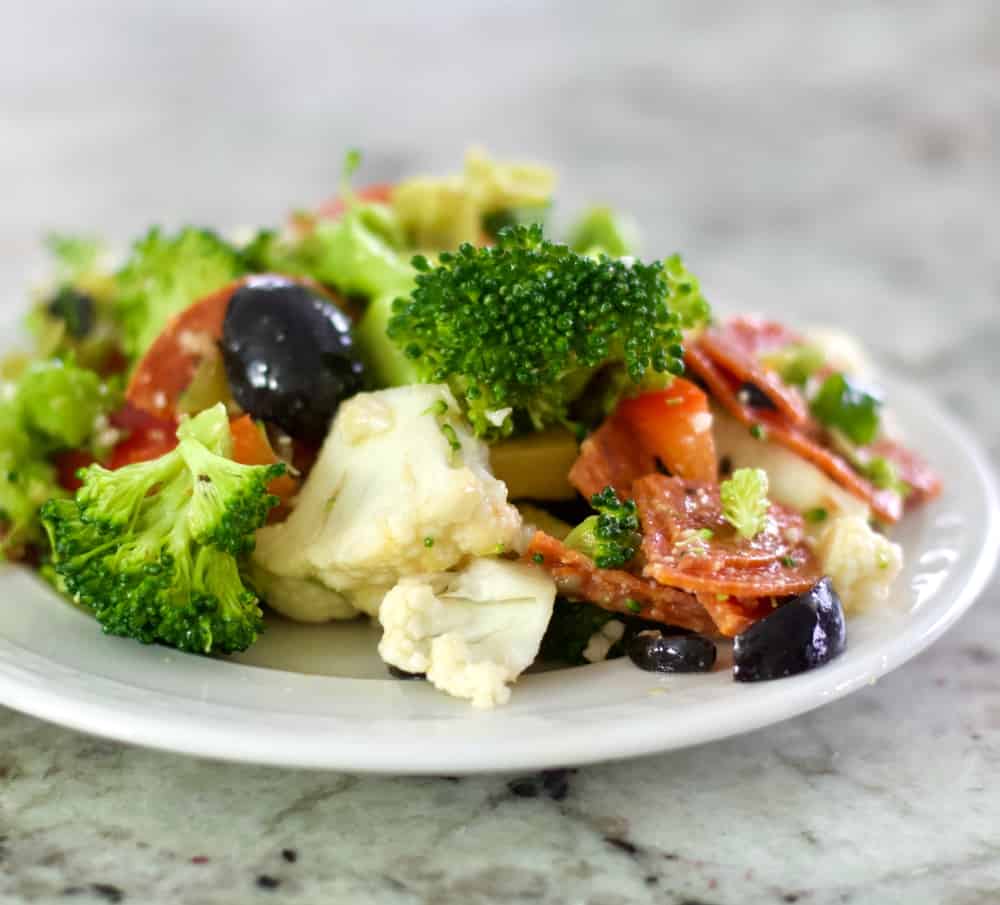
point(792, 480)
point(389, 497)
point(472, 632)
point(862, 563)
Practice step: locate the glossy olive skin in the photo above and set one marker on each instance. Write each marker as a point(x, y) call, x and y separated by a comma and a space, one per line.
point(289, 355)
point(75, 309)
point(656, 652)
point(755, 397)
point(803, 633)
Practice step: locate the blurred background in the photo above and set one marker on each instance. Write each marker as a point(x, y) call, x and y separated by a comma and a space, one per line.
point(829, 161)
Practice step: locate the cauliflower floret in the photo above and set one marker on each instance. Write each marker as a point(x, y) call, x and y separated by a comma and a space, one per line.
point(301, 599)
point(401, 487)
point(601, 642)
point(472, 632)
point(861, 563)
point(792, 481)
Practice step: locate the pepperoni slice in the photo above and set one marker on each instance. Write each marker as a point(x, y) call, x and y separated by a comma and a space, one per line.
point(922, 479)
point(610, 457)
point(164, 372)
point(805, 442)
point(577, 578)
point(688, 544)
point(732, 616)
point(736, 346)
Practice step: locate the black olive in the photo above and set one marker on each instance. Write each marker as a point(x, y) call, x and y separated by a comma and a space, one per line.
point(75, 309)
point(806, 632)
point(289, 355)
point(752, 395)
point(398, 673)
point(656, 652)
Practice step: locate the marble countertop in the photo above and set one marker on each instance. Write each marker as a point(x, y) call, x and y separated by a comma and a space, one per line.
point(840, 163)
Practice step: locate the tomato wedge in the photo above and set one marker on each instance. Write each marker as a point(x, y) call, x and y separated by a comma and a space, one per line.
point(675, 425)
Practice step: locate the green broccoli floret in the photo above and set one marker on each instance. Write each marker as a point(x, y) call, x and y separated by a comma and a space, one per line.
point(744, 501)
point(60, 404)
point(517, 328)
point(27, 480)
point(53, 406)
point(152, 549)
point(570, 629)
point(611, 537)
point(164, 275)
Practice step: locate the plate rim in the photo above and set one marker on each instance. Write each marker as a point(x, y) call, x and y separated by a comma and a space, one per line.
point(795, 695)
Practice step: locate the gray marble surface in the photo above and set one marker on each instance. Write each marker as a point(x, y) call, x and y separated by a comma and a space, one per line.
point(832, 160)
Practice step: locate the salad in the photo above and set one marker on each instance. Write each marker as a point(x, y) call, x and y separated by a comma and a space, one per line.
point(414, 404)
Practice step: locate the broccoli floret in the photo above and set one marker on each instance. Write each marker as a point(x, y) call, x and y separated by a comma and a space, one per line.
point(516, 328)
point(26, 482)
point(744, 500)
point(570, 629)
point(152, 549)
point(59, 404)
point(164, 275)
point(53, 406)
point(611, 537)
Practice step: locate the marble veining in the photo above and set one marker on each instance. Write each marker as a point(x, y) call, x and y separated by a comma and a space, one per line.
point(836, 160)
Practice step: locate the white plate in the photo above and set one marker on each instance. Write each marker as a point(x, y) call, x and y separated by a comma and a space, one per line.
point(318, 697)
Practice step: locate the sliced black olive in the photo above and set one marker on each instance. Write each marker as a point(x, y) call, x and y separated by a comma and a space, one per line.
point(289, 355)
point(803, 633)
point(398, 673)
point(656, 652)
point(75, 309)
point(752, 395)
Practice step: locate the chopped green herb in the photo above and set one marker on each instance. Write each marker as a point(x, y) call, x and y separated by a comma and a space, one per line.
point(538, 558)
point(706, 533)
point(633, 606)
point(842, 404)
point(758, 432)
point(428, 542)
point(789, 562)
point(817, 515)
point(744, 501)
point(438, 409)
point(883, 560)
point(884, 474)
point(722, 597)
point(452, 437)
